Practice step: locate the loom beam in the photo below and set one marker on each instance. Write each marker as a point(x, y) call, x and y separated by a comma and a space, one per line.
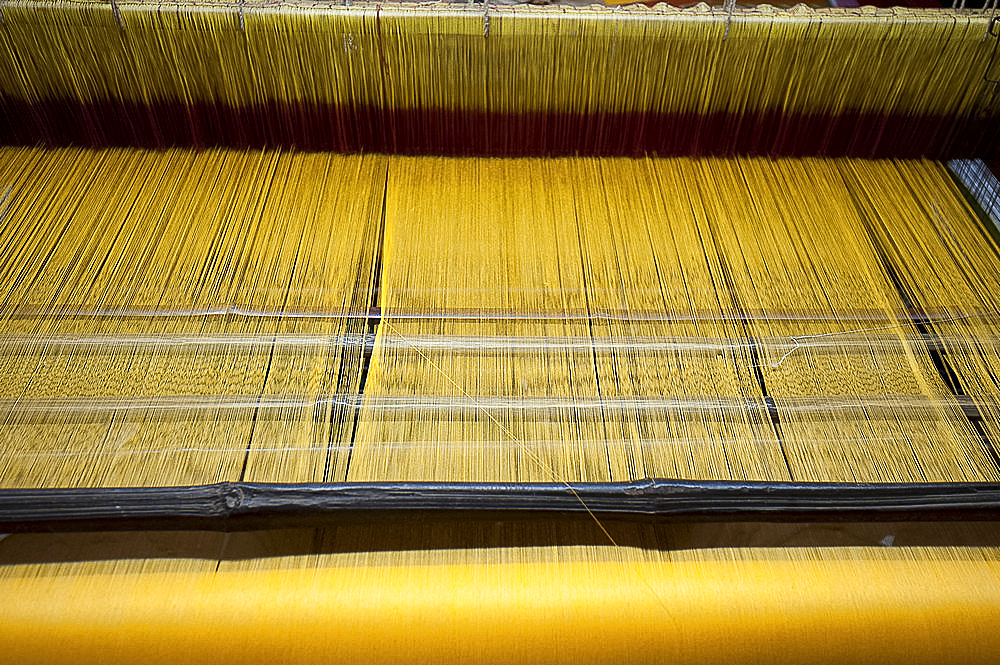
point(236, 506)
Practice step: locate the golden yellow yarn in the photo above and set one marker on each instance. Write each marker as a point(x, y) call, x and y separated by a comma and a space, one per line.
point(397, 57)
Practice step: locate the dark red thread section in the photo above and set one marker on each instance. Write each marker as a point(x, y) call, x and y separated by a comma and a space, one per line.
point(444, 132)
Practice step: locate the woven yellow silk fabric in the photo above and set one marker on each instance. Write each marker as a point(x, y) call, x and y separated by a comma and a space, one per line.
point(866, 611)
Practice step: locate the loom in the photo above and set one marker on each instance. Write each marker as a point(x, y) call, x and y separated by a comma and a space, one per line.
point(498, 333)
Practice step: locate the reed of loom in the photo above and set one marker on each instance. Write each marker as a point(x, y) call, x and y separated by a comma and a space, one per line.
point(295, 368)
